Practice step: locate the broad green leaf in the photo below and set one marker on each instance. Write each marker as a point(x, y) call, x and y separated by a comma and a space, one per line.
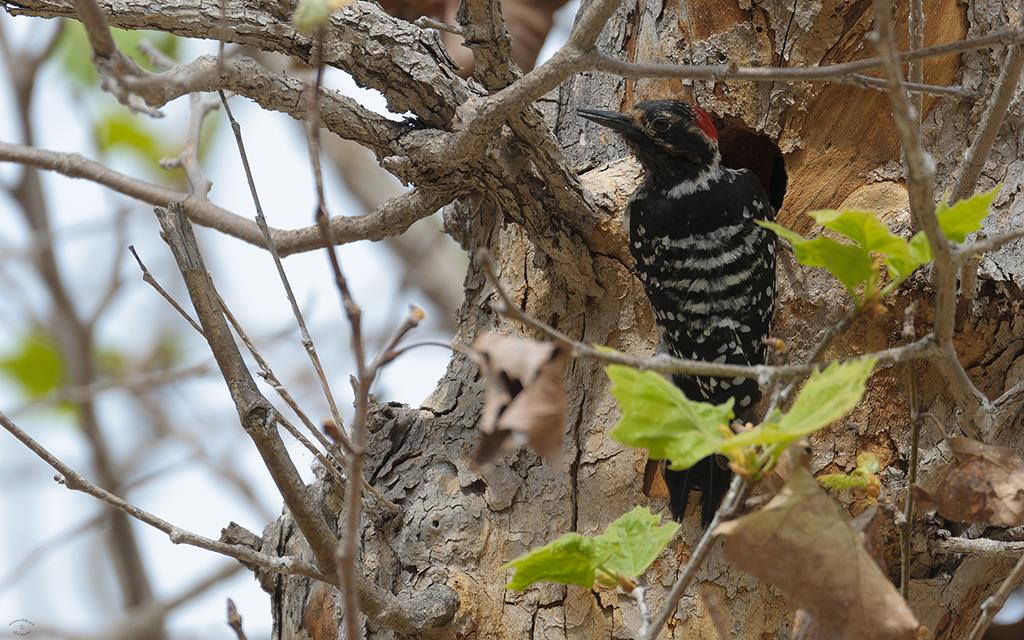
point(965, 216)
point(901, 266)
point(571, 559)
point(35, 365)
point(119, 130)
point(634, 541)
point(850, 264)
point(863, 228)
point(827, 396)
point(626, 548)
point(657, 416)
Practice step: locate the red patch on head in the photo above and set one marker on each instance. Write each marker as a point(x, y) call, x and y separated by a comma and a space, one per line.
point(704, 121)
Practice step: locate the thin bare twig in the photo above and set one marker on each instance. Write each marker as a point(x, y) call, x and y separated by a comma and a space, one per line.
point(235, 620)
point(148, 278)
point(988, 244)
point(915, 68)
point(782, 392)
point(346, 554)
point(991, 606)
point(907, 528)
point(200, 106)
point(72, 480)
point(922, 348)
point(729, 507)
point(261, 222)
point(600, 61)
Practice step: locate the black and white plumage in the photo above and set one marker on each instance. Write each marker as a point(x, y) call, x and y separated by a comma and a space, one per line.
point(707, 268)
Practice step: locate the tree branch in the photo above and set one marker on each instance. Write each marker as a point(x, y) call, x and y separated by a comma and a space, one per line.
point(730, 504)
point(919, 168)
point(991, 606)
point(433, 607)
point(272, 91)
point(257, 415)
point(923, 348)
point(391, 218)
point(979, 546)
point(72, 480)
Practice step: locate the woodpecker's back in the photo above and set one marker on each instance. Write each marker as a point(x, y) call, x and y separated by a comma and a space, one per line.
point(709, 272)
point(707, 267)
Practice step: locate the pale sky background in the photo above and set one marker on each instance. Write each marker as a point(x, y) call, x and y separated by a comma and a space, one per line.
point(73, 588)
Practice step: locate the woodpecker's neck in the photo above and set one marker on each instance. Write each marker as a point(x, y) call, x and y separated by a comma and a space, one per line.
point(679, 175)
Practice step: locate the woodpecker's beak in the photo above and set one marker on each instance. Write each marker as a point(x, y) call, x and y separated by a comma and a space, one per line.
point(612, 119)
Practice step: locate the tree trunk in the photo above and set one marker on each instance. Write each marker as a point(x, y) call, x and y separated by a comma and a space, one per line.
point(459, 525)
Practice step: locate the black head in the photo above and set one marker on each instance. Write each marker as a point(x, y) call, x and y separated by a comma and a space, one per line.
point(672, 139)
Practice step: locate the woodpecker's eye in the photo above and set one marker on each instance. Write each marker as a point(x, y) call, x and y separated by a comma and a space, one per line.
point(660, 125)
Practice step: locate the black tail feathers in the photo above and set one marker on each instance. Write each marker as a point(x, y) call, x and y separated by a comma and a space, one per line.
point(711, 478)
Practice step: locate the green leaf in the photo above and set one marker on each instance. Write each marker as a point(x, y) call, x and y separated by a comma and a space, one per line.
point(862, 477)
point(827, 396)
point(843, 481)
point(965, 217)
point(901, 266)
point(626, 548)
point(850, 264)
point(634, 541)
point(868, 462)
point(571, 559)
point(35, 365)
point(863, 228)
point(657, 416)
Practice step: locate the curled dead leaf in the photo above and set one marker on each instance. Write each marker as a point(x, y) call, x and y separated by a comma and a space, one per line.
point(802, 543)
point(984, 483)
point(524, 395)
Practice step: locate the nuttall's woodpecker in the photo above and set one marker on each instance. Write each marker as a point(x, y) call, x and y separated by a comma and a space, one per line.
point(708, 269)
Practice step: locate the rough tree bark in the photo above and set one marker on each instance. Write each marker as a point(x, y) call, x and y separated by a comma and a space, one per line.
point(840, 149)
point(560, 249)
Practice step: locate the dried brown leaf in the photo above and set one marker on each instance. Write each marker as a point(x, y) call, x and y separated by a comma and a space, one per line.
point(985, 483)
point(802, 543)
point(525, 394)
